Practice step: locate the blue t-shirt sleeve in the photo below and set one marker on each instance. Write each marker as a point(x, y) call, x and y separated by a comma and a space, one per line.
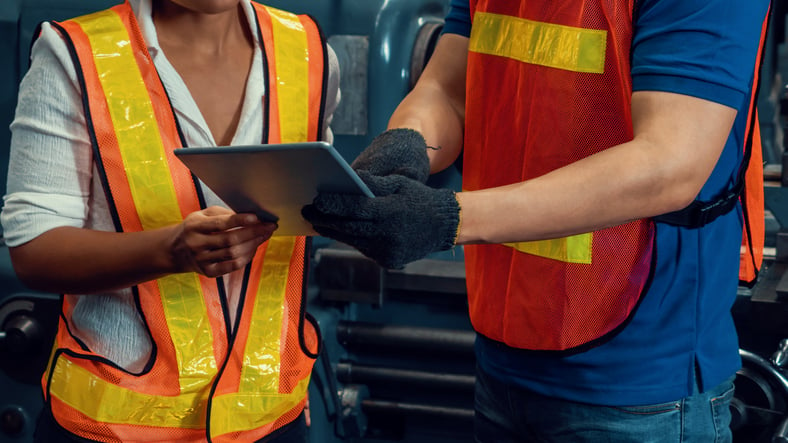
point(458, 20)
point(701, 48)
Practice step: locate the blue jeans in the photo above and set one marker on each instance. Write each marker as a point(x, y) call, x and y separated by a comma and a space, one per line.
point(511, 414)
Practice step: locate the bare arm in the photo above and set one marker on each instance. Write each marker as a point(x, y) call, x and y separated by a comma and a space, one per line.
point(436, 105)
point(677, 142)
point(213, 242)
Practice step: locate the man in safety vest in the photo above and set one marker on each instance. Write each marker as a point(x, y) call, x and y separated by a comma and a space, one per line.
point(586, 128)
point(181, 320)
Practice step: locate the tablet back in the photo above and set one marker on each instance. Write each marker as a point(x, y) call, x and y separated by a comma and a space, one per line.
point(273, 181)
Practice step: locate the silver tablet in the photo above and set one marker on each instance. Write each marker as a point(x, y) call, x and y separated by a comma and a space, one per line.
point(273, 181)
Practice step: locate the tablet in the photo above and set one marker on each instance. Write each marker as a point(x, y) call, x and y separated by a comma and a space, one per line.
point(274, 181)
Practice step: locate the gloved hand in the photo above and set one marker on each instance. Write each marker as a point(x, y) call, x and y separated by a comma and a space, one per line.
point(396, 151)
point(404, 222)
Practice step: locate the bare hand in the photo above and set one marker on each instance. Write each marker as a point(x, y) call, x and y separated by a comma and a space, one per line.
point(216, 241)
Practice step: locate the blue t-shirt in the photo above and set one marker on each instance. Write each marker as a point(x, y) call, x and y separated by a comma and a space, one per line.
point(705, 49)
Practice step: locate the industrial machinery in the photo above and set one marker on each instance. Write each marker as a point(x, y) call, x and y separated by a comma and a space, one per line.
point(397, 363)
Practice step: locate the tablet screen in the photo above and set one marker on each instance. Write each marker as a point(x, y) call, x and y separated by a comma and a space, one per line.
point(273, 181)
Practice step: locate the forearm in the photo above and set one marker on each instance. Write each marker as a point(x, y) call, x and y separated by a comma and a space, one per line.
point(438, 122)
point(575, 199)
point(677, 142)
point(436, 105)
point(73, 260)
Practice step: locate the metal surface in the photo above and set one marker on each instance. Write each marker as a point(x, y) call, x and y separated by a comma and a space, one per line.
point(441, 341)
point(780, 357)
point(776, 200)
point(391, 407)
point(344, 275)
point(779, 379)
point(361, 374)
point(760, 405)
point(781, 434)
point(352, 53)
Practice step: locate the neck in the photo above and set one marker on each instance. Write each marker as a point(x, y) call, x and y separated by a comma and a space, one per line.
point(204, 31)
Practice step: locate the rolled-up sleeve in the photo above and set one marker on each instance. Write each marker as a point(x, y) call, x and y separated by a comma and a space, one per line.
point(50, 162)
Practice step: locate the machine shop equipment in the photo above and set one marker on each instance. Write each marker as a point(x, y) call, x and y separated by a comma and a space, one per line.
point(398, 362)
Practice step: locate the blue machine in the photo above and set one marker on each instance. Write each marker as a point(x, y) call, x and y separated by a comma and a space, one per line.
point(397, 363)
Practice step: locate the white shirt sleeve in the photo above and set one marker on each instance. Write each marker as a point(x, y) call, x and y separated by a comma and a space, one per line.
point(333, 94)
point(50, 163)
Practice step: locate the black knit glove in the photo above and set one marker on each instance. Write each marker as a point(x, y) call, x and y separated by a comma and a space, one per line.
point(404, 222)
point(396, 151)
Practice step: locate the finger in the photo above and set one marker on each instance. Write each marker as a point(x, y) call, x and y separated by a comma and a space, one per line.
point(210, 224)
point(220, 262)
point(225, 240)
point(234, 219)
point(217, 210)
point(243, 220)
point(250, 219)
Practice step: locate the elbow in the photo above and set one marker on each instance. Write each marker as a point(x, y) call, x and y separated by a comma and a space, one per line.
point(681, 201)
point(678, 195)
point(26, 271)
point(670, 183)
point(28, 279)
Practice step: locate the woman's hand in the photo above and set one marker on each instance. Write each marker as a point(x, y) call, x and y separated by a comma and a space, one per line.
point(216, 241)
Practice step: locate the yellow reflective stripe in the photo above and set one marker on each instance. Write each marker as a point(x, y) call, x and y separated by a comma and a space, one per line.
point(243, 412)
point(258, 400)
point(291, 53)
point(538, 43)
point(150, 181)
point(134, 120)
point(190, 329)
point(574, 249)
point(260, 371)
point(110, 403)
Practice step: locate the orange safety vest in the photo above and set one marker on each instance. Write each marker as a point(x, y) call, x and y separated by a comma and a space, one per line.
point(206, 380)
point(566, 294)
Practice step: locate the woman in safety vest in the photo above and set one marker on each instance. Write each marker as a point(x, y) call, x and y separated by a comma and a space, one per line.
point(181, 320)
point(602, 306)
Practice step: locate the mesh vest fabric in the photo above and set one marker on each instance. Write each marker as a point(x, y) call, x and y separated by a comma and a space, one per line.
point(550, 64)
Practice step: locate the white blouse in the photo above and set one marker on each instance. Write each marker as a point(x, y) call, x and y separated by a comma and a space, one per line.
point(52, 180)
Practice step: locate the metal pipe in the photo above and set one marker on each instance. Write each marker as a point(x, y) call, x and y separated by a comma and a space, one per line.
point(766, 366)
point(390, 407)
point(406, 337)
point(780, 357)
point(781, 434)
point(361, 374)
